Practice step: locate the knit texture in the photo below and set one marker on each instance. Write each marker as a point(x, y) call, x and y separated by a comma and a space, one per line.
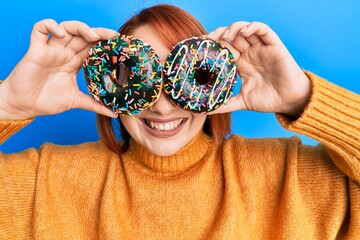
point(239, 189)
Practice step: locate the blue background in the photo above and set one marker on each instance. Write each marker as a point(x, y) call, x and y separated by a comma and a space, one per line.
point(323, 36)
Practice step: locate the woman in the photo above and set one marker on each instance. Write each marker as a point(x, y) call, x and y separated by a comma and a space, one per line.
point(186, 181)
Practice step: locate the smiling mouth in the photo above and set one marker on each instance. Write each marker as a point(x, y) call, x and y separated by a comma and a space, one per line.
point(164, 126)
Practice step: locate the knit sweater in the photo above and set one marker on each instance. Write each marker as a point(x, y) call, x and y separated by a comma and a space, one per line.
point(238, 189)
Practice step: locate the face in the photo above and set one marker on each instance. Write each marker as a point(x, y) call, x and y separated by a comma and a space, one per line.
point(167, 128)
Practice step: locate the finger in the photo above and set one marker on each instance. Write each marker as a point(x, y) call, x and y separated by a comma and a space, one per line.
point(236, 53)
point(233, 104)
point(233, 30)
point(240, 43)
point(78, 43)
point(231, 34)
point(217, 33)
point(42, 29)
point(252, 38)
point(88, 103)
point(262, 32)
point(105, 33)
point(75, 28)
point(84, 53)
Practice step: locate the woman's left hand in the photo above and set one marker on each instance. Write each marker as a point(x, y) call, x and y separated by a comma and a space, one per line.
point(271, 79)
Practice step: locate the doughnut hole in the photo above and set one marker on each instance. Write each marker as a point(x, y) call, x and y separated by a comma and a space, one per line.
point(203, 75)
point(123, 73)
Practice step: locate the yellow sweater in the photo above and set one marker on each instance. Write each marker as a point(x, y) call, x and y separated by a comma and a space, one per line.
point(241, 189)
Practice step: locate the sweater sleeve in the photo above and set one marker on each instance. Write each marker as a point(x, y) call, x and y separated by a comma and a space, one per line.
point(8, 128)
point(333, 118)
point(17, 186)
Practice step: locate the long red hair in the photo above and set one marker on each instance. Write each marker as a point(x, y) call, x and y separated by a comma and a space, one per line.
point(173, 25)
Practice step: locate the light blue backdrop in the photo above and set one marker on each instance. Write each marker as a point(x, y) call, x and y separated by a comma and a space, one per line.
point(322, 35)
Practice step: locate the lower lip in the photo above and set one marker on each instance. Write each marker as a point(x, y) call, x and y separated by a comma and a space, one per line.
point(163, 134)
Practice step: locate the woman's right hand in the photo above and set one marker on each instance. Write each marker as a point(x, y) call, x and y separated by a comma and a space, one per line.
point(44, 81)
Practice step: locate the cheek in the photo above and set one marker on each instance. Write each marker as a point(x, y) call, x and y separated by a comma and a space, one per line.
point(198, 120)
point(130, 123)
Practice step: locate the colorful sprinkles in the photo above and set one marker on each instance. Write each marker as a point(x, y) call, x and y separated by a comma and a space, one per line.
point(123, 73)
point(190, 56)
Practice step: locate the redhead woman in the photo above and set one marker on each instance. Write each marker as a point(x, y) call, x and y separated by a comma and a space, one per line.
point(180, 174)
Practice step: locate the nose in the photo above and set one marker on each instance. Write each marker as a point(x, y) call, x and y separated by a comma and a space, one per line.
point(163, 105)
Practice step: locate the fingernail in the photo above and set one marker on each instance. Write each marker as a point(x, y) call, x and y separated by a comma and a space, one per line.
point(226, 33)
point(61, 30)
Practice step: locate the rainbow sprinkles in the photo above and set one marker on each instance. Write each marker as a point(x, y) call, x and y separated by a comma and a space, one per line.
point(125, 74)
point(124, 93)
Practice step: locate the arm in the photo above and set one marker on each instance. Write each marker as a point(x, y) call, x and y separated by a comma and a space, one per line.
point(328, 175)
point(333, 118)
point(18, 174)
point(42, 83)
point(8, 128)
point(307, 104)
point(273, 82)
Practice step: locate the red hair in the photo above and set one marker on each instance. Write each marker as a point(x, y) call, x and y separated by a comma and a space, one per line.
point(173, 25)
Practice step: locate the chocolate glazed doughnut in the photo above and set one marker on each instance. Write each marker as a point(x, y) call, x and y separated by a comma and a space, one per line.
point(124, 74)
point(185, 85)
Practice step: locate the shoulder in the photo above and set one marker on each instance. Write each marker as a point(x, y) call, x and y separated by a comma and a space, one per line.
point(84, 160)
point(275, 151)
point(273, 145)
point(91, 148)
point(265, 145)
point(75, 172)
point(272, 150)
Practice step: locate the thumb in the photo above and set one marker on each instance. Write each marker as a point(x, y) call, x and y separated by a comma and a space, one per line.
point(88, 103)
point(233, 104)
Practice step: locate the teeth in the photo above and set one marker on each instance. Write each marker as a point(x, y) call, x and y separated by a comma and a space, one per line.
point(164, 126)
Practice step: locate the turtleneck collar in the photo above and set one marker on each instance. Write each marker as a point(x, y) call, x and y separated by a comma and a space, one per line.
point(190, 154)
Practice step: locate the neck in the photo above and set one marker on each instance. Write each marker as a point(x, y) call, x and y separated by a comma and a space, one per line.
point(180, 161)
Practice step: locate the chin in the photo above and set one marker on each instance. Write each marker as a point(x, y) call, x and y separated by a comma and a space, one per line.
point(163, 134)
point(166, 149)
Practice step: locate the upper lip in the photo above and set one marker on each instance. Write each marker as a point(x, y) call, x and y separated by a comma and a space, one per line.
point(163, 128)
point(159, 120)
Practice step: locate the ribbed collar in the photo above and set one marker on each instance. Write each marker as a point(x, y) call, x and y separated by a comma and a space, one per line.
point(180, 161)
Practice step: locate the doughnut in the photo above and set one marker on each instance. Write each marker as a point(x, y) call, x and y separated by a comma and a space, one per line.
point(184, 80)
point(124, 74)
